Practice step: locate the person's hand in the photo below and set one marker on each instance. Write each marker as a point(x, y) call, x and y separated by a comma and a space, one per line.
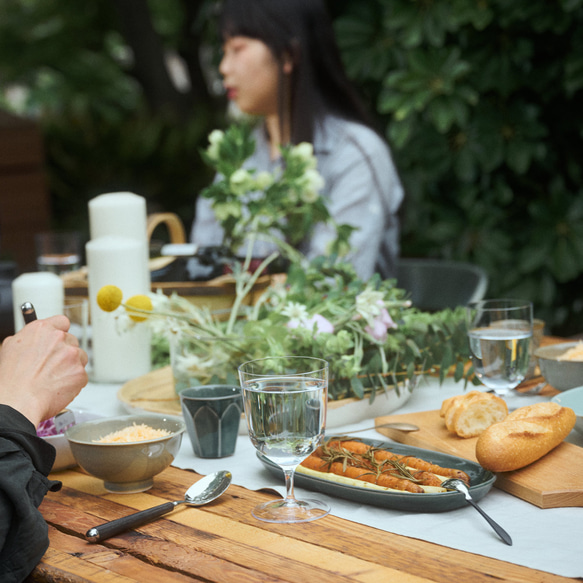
point(42, 369)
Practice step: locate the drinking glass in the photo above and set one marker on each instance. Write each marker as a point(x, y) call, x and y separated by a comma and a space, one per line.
point(285, 402)
point(500, 333)
point(58, 252)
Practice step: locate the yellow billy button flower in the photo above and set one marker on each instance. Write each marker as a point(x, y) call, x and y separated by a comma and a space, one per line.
point(109, 298)
point(140, 302)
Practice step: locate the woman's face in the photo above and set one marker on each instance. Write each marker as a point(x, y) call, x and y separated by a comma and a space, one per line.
point(250, 75)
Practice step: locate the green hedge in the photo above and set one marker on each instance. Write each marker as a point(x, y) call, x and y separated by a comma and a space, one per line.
point(481, 104)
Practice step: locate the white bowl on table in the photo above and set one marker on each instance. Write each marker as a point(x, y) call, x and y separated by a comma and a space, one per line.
point(573, 399)
point(563, 375)
point(64, 458)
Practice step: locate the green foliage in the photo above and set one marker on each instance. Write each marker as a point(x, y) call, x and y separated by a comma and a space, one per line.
point(68, 64)
point(370, 335)
point(480, 102)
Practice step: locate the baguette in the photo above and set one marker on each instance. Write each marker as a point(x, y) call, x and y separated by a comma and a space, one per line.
point(525, 436)
point(468, 415)
point(474, 416)
point(451, 405)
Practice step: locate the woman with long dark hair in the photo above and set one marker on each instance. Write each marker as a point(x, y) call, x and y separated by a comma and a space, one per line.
point(281, 63)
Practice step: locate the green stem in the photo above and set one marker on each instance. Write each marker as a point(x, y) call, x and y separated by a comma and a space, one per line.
point(243, 290)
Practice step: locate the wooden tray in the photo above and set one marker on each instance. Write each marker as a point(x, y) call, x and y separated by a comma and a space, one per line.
point(153, 392)
point(554, 481)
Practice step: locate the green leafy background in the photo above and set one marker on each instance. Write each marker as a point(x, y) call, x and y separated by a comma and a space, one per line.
point(480, 102)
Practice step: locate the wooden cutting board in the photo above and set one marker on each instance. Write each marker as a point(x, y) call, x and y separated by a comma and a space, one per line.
point(554, 481)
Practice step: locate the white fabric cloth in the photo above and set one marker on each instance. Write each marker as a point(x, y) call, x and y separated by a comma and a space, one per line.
point(362, 189)
point(547, 540)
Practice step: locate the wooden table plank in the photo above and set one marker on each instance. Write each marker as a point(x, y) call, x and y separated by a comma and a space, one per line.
point(223, 542)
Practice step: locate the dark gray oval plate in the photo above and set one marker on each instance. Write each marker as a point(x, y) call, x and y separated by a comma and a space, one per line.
point(481, 481)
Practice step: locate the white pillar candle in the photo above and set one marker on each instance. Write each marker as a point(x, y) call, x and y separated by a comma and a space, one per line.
point(120, 214)
point(43, 289)
point(121, 347)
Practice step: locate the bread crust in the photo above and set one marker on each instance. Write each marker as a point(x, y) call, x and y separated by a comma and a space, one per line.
point(525, 436)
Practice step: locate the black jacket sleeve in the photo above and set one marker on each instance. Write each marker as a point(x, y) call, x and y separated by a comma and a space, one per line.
point(25, 462)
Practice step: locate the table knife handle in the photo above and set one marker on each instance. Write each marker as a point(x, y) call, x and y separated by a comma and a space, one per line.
point(108, 529)
point(499, 530)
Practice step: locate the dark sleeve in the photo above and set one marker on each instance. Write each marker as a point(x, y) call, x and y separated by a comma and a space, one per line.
point(25, 462)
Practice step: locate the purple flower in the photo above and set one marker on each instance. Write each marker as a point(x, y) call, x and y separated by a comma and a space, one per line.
point(380, 326)
point(321, 324)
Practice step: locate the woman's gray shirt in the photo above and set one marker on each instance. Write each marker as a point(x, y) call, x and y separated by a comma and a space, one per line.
point(362, 189)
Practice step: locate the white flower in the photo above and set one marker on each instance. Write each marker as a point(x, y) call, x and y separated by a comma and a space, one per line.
point(215, 139)
point(295, 311)
point(304, 151)
point(309, 196)
point(369, 304)
point(299, 318)
point(241, 182)
point(264, 180)
point(190, 364)
point(228, 209)
point(312, 180)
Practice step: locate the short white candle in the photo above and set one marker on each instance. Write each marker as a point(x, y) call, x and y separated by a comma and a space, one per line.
point(121, 350)
point(43, 289)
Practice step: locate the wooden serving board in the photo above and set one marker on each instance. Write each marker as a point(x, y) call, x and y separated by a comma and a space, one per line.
point(554, 481)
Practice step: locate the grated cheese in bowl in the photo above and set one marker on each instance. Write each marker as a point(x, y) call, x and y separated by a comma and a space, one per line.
point(132, 434)
point(574, 353)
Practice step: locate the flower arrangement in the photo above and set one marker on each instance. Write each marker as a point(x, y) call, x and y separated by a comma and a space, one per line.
point(281, 206)
point(368, 332)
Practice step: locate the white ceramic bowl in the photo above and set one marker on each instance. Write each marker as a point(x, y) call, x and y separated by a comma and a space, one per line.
point(125, 467)
point(560, 374)
point(65, 458)
point(573, 399)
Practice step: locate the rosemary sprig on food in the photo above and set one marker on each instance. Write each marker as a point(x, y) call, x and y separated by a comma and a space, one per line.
point(366, 461)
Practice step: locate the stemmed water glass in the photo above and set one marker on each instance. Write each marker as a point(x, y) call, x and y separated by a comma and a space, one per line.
point(500, 333)
point(285, 405)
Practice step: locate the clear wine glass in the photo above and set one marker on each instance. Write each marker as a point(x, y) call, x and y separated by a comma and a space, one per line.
point(500, 333)
point(285, 402)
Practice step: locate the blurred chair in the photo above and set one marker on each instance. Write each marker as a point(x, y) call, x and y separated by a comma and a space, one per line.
point(436, 284)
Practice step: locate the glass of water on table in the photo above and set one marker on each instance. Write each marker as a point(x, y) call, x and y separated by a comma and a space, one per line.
point(285, 402)
point(500, 333)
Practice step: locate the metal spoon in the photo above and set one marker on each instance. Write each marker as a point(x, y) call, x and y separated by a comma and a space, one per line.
point(455, 484)
point(202, 492)
point(401, 426)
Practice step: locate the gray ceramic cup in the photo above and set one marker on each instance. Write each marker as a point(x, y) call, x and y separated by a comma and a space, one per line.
point(212, 414)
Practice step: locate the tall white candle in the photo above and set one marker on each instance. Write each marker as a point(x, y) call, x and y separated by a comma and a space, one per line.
point(120, 214)
point(121, 348)
point(43, 289)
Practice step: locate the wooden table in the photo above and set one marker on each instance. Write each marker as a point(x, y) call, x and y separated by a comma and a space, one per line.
point(223, 542)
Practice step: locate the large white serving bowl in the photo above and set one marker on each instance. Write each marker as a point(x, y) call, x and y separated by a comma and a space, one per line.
point(573, 399)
